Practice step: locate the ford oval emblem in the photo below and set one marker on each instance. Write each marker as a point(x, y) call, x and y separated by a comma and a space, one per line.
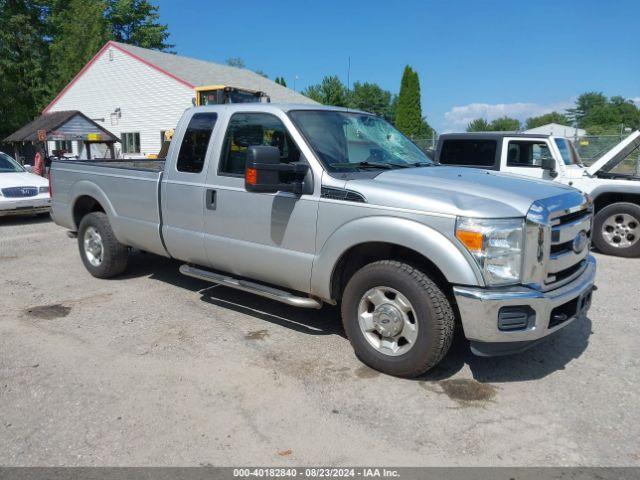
point(580, 241)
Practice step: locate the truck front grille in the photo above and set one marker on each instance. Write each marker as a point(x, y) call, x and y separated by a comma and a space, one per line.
point(20, 192)
point(570, 242)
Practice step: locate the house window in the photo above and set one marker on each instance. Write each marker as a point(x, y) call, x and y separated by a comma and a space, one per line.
point(130, 142)
point(65, 145)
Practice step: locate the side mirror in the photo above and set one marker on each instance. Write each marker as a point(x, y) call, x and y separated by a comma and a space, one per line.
point(263, 171)
point(549, 163)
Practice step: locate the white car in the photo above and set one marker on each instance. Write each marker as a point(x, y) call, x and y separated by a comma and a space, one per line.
point(21, 192)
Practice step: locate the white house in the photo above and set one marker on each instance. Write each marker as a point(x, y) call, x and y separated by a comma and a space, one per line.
point(558, 130)
point(138, 93)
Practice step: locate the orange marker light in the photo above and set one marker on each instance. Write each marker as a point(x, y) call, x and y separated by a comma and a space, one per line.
point(251, 176)
point(472, 240)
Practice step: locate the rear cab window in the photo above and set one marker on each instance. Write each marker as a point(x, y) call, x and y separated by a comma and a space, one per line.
point(469, 153)
point(193, 149)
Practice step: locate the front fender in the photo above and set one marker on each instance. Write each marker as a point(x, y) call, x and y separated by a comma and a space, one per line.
point(442, 252)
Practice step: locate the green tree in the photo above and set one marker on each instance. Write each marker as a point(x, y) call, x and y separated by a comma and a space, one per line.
point(281, 81)
point(505, 124)
point(600, 115)
point(584, 106)
point(137, 22)
point(235, 62)
point(552, 117)
point(478, 125)
point(331, 91)
point(81, 30)
point(24, 63)
point(409, 119)
point(369, 97)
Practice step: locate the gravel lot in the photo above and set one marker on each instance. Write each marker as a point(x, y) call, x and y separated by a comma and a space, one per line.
point(159, 369)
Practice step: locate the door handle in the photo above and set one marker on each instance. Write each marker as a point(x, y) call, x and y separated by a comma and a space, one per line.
point(210, 201)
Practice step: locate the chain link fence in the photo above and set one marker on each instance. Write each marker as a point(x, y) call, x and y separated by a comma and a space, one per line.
point(592, 147)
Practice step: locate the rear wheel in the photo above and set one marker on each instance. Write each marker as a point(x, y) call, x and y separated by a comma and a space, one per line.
point(102, 254)
point(616, 230)
point(397, 319)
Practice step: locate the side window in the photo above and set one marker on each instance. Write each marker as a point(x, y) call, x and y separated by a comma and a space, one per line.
point(526, 153)
point(249, 129)
point(475, 153)
point(193, 149)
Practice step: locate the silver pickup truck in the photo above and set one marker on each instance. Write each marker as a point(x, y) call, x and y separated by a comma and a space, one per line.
point(312, 205)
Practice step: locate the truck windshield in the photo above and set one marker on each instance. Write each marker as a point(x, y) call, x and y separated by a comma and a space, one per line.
point(9, 165)
point(347, 141)
point(568, 152)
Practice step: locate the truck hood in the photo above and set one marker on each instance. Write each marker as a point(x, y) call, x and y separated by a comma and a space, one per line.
point(617, 154)
point(21, 179)
point(457, 191)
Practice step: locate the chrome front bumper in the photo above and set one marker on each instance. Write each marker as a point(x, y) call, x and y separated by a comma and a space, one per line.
point(480, 309)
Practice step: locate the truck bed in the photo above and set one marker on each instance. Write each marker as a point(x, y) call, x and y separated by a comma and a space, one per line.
point(127, 190)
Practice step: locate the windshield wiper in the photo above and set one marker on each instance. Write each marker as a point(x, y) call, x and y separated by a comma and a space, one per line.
point(365, 164)
point(423, 164)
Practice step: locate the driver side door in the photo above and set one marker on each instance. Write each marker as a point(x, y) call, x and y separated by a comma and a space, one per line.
point(524, 157)
point(263, 236)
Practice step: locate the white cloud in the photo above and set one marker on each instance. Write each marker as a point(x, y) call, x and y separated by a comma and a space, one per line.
point(459, 117)
point(636, 101)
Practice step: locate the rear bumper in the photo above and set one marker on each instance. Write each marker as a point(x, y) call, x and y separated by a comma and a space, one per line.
point(483, 312)
point(24, 206)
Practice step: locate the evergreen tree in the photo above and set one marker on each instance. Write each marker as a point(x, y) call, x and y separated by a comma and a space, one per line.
point(24, 63)
point(281, 81)
point(409, 119)
point(82, 31)
point(137, 22)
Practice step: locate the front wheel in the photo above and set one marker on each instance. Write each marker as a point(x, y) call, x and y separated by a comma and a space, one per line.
point(102, 254)
point(616, 230)
point(397, 319)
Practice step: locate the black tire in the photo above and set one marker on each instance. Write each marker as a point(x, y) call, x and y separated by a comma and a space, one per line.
point(434, 316)
point(601, 217)
point(114, 254)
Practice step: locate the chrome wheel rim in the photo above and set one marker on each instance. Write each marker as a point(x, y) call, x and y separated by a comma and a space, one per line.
point(621, 230)
point(93, 247)
point(388, 321)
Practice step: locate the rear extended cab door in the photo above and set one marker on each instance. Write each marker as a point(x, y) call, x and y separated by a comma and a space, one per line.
point(182, 192)
point(268, 237)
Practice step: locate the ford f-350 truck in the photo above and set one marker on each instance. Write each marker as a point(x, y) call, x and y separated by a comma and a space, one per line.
point(311, 205)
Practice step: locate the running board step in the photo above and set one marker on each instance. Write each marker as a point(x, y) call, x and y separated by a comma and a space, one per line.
point(251, 287)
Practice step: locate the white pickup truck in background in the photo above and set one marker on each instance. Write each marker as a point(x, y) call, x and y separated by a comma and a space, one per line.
point(613, 181)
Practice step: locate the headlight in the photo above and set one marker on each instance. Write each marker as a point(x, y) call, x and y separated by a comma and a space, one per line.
point(496, 245)
point(43, 190)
